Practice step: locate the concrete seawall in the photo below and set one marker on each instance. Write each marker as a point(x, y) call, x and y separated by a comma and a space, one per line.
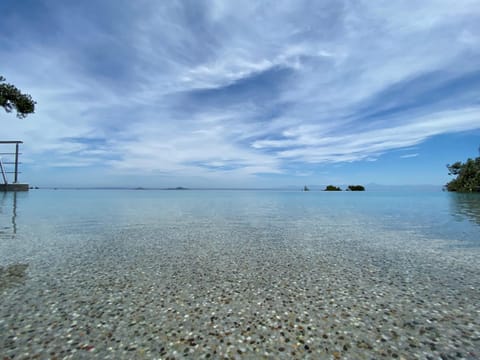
point(14, 187)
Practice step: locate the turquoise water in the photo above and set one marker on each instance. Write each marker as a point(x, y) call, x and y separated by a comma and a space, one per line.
point(450, 216)
point(254, 274)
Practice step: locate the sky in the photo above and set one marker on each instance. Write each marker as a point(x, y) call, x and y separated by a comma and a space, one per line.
point(225, 93)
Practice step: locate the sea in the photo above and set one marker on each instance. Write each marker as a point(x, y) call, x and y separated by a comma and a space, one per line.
point(239, 274)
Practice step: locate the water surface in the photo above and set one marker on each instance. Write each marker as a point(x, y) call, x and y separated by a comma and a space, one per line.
point(122, 274)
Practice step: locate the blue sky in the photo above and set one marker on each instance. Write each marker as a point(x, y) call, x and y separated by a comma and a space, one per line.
point(242, 93)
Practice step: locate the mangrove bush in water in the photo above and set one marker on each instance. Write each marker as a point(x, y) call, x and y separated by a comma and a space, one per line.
point(332, 188)
point(356, 188)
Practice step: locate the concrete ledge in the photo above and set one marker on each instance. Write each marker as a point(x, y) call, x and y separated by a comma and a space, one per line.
point(13, 187)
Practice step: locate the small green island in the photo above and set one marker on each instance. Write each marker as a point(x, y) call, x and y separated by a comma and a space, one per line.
point(467, 176)
point(332, 188)
point(355, 188)
point(349, 188)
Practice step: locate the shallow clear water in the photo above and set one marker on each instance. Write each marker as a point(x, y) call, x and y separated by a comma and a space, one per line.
point(450, 216)
point(139, 273)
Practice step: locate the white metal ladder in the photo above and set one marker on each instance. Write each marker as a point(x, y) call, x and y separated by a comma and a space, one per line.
point(3, 172)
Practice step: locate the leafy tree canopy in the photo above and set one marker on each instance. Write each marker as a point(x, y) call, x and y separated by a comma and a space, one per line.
point(12, 99)
point(467, 176)
point(356, 188)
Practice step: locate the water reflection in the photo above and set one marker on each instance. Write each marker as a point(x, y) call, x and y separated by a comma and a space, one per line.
point(466, 206)
point(8, 214)
point(14, 274)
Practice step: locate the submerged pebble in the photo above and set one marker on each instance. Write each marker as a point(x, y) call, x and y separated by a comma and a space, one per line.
point(284, 289)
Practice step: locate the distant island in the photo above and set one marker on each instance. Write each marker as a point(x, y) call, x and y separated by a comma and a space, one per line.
point(355, 188)
point(178, 188)
point(467, 176)
point(349, 188)
point(332, 188)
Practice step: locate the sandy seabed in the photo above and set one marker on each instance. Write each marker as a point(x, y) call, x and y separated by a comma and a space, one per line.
point(345, 292)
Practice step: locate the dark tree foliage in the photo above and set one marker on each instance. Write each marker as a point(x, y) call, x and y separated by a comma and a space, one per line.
point(356, 188)
point(12, 99)
point(332, 188)
point(467, 176)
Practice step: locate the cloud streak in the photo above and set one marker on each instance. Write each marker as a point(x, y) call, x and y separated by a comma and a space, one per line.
point(310, 145)
point(206, 89)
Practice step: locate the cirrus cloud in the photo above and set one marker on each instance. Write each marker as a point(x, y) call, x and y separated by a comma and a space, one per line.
point(209, 88)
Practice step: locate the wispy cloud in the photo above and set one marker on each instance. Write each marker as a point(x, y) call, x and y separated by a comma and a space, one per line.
point(310, 144)
point(210, 88)
point(408, 156)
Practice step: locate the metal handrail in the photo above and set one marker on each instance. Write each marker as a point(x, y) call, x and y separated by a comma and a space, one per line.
point(9, 162)
point(3, 173)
